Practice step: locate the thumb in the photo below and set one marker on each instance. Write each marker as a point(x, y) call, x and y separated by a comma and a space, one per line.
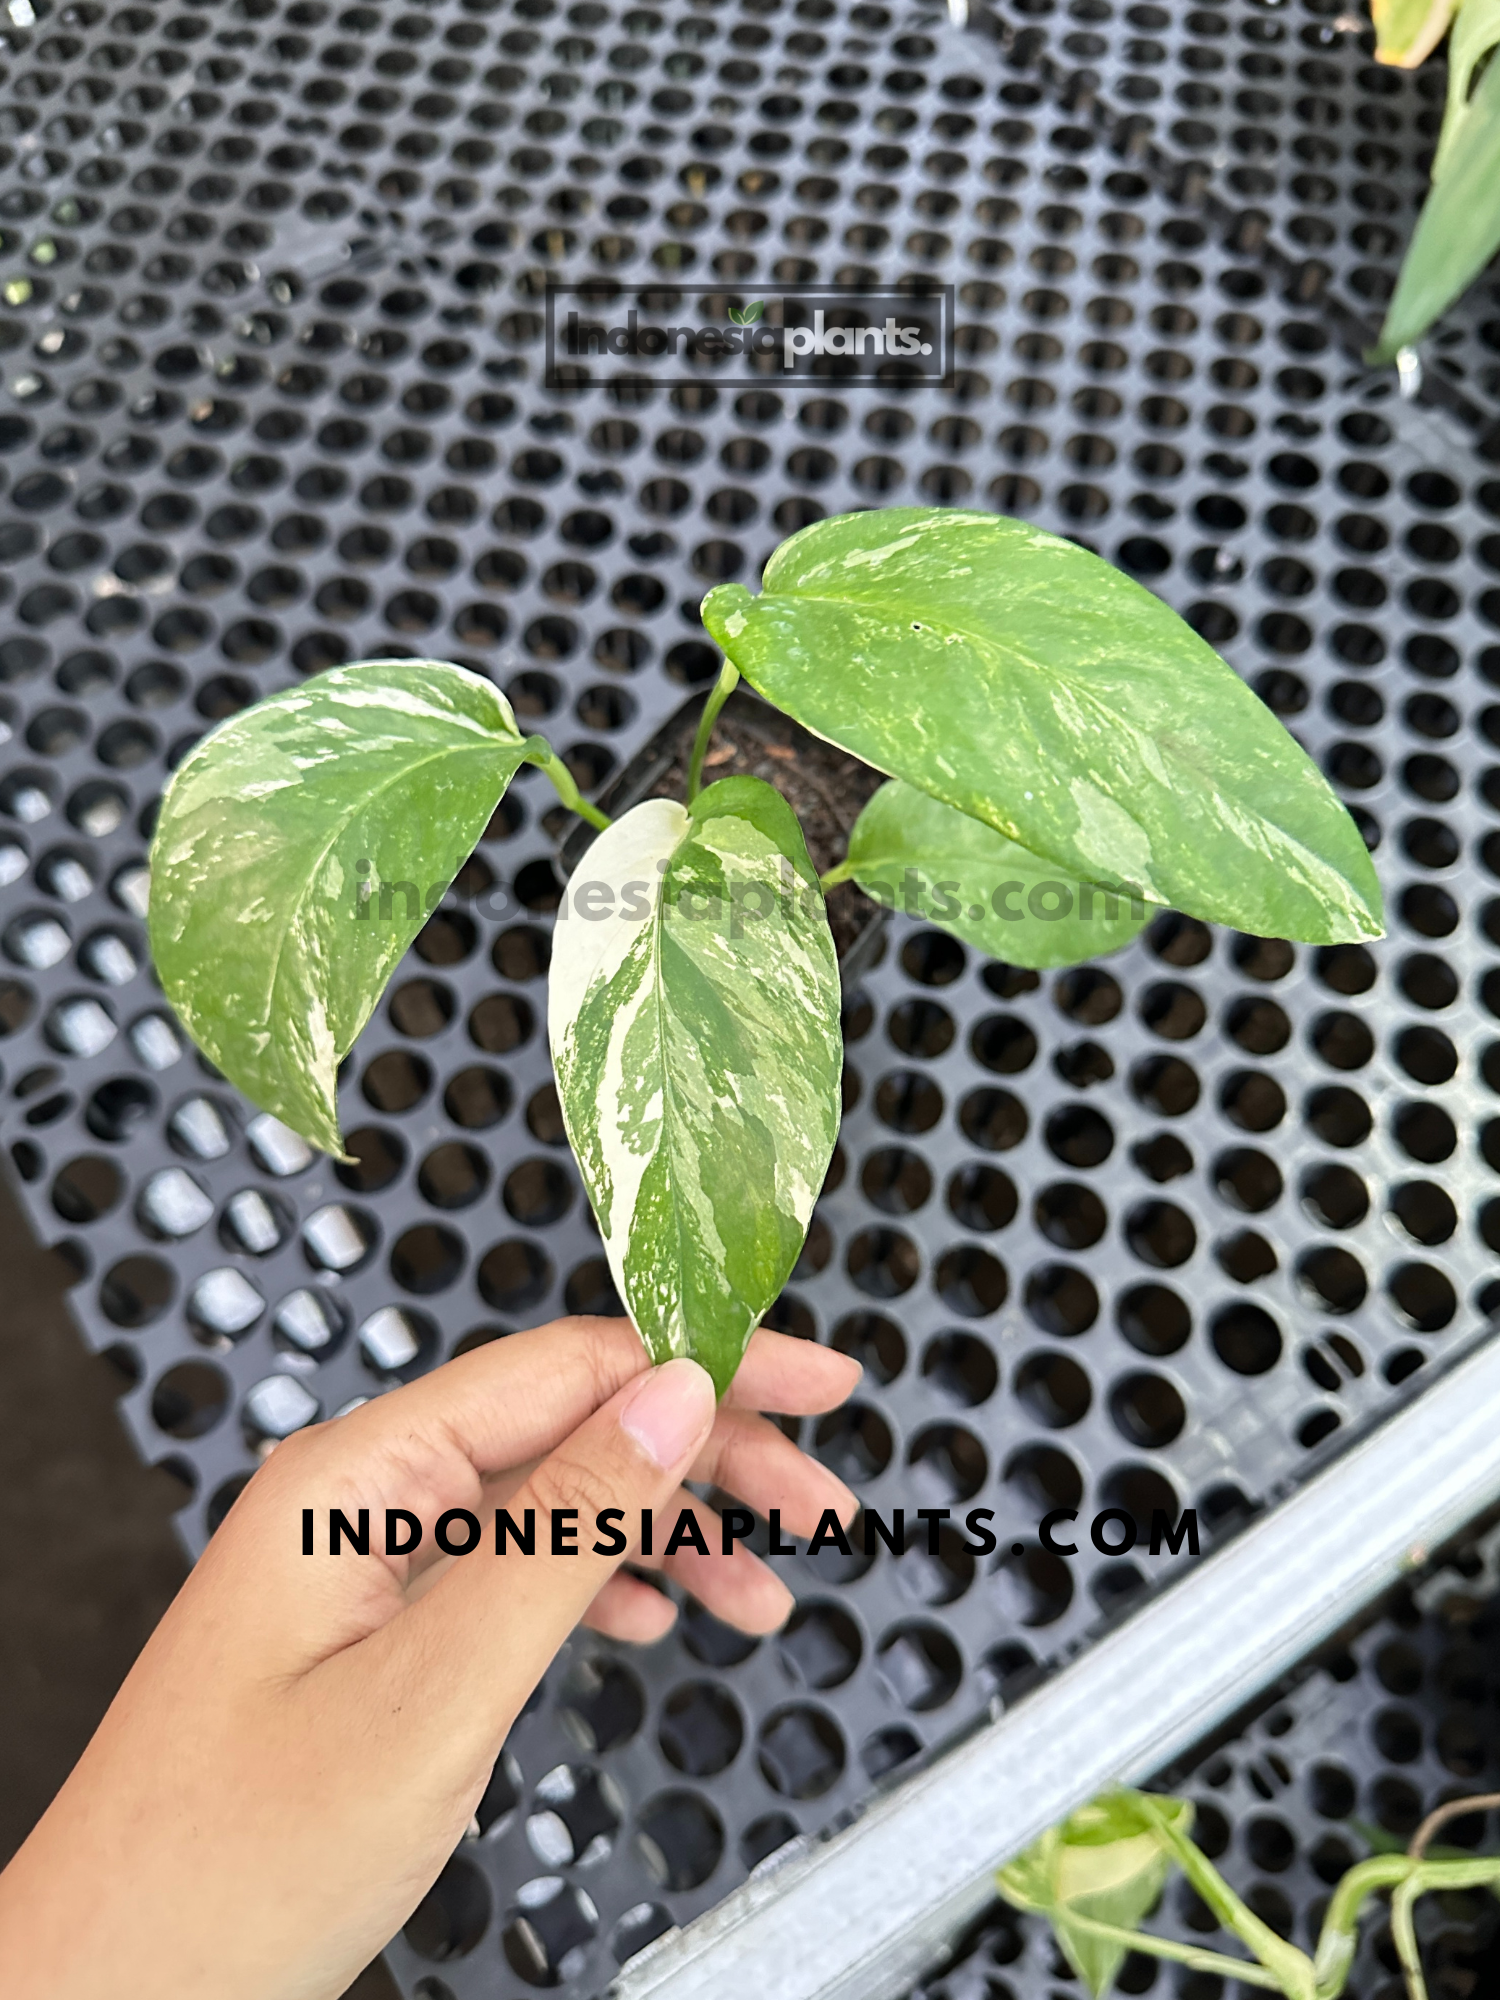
point(498, 1620)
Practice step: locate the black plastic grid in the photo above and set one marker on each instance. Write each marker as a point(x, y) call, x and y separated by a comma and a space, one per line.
point(1277, 117)
point(1139, 1233)
point(1401, 1720)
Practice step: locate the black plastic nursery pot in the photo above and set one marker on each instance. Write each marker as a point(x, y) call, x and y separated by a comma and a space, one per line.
point(824, 786)
point(1142, 1234)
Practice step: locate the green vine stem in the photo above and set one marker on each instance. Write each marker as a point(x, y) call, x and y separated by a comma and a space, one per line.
point(1404, 1936)
point(1293, 1969)
point(1275, 1964)
point(1410, 1875)
point(724, 687)
point(1339, 1938)
point(1427, 1875)
point(844, 872)
point(1191, 1955)
point(541, 753)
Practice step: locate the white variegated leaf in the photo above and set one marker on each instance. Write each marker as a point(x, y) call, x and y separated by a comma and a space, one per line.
point(300, 848)
point(694, 1021)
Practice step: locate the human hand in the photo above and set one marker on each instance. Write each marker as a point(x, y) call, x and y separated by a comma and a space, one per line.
point(304, 1740)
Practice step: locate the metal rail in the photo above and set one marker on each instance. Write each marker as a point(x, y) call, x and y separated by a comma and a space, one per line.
point(864, 1914)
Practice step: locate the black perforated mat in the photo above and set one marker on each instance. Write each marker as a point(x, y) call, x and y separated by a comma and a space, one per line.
point(271, 303)
point(1348, 1762)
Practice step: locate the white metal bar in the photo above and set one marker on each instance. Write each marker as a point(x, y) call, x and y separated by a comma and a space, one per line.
point(864, 1914)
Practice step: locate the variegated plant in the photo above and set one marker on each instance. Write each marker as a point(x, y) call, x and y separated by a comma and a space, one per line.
point(1064, 756)
point(1099, 1874)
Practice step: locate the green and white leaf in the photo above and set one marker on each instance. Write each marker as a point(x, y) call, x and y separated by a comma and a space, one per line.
point(911, 852)
point(1036, 688)
point(277, 836)
point(1407, 31)
point(1107, 1862)
point(1458, 230)
point(694, 1020)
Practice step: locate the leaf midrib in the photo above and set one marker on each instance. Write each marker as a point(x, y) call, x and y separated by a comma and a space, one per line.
point(658, 994)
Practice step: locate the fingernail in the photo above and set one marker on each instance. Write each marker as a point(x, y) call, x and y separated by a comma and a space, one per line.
point(671, 1411)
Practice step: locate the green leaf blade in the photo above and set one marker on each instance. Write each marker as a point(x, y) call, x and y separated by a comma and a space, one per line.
point(1407, 31)
point(1476, 31)
point(910, 851)
point(1458, 230)
point(1032, 686)
point(381, 774)
point(695, 1037)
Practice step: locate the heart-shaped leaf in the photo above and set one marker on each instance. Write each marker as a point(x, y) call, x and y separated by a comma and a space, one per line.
point(694, 1020)
point(1036, 688)
point(300, 848)
point(911, 852)
point(1107, 1862)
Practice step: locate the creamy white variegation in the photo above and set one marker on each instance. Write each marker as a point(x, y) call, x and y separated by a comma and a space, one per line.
point(693, 1016)
point(1022, 681)
point(300, 848)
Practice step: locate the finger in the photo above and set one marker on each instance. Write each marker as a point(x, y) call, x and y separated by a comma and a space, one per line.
point(630, 1610)
point(469, 1652)
point(513, 1400)
point(427, 1447)
point(745, 1455)
point(733, 1583)
point(496, 1489)
point(423, 1448)
point(510, 1399)
point(793, 1378)
point(749, 1457)
point(738, 1589)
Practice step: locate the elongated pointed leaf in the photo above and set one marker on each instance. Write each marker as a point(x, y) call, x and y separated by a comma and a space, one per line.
point(1476, 31)
point(693, 1016)
point(299, 850)
point(1458, 230)
point(913, 853)
point(1407, 31)
point(1034, 687)
point(1106, 1862)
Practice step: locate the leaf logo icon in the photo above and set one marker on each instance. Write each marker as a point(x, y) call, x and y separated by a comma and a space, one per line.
point(747, 315)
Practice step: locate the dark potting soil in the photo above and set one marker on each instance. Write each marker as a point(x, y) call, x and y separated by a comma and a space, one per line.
point(824, 786)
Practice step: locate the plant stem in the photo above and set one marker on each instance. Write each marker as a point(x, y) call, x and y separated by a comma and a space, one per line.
point(1339, 1936)
point(1293, 1968)
point(1409, 1878)
point(1404, 1936)
point(541, 753)
point(1433, 1875)
point(843, 873)
point(1455, 1809)
point(1481, 1873)
point(1381, 1871)
point(1191, 1955)
point(724, 687)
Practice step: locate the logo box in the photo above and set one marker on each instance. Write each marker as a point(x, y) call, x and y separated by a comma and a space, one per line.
point(790, 336)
